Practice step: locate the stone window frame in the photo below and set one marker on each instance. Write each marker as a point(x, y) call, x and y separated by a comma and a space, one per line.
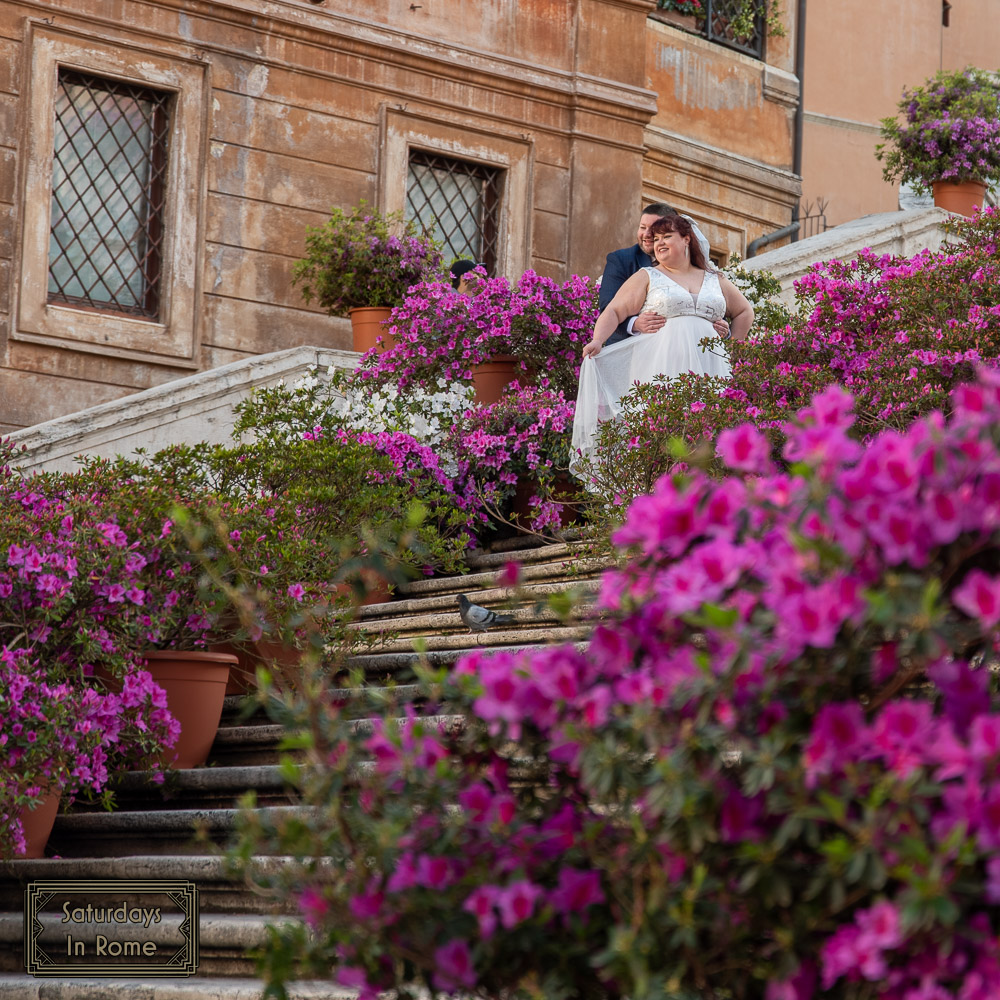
point(173, 337)
point(403, 130)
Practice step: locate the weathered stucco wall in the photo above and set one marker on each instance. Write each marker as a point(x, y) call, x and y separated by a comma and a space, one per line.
point(299, 107)
point(721, 142)
point(859, 57)
point(287, 108)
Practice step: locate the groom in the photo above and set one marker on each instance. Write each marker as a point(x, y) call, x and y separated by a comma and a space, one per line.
point(622, 264)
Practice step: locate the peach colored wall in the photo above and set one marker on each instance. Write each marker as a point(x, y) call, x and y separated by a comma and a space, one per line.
point(721, 142)
point(300, 103)
point(859, 58)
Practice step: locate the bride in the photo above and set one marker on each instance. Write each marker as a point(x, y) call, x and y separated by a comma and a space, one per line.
point(692, 297)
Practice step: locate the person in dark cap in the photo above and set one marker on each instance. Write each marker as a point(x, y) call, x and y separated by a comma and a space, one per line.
point(459, 274)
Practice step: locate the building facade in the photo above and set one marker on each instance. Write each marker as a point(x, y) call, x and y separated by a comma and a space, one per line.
point(160, 161)
point(859, 58)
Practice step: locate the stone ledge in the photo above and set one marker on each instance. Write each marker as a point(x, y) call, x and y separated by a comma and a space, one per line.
point(15, 987)
point(899, 233)
point(190, 409)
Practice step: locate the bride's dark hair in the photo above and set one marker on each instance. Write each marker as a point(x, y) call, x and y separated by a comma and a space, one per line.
point(678, 224)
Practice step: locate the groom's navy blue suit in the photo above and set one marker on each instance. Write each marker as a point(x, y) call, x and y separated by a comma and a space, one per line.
point(620, 266)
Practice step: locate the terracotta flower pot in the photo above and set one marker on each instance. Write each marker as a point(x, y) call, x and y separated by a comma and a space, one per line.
point(195, 684)
point(37, 823)
point(491, 378)
point(962, 198)
point(367, 325)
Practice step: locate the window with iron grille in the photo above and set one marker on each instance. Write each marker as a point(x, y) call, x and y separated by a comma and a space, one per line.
point(108, 192)
point(458, 203)
point(721, 20)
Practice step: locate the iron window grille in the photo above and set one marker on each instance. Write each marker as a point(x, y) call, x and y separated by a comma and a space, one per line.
point(719, 15)
point(108, 193)
point(458, 204)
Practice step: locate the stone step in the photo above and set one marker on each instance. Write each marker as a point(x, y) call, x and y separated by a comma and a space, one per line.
point(239, 748)
point(504, 637)
point(531, 603)
point(159, 832)
point(225, 939)
point(566, 571)
point(208, 787)
point(22, 987)
point(218, 891)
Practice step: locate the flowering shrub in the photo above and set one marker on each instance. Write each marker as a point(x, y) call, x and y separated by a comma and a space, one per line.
point(741, 15)
point(441, 334)
point(681, 6)
point(772, 771)
point(898, 333)
point(364, 259)
point(76, 601)
point(950, 131)
point(68, 736)
point(336, 475)
point(523, 438)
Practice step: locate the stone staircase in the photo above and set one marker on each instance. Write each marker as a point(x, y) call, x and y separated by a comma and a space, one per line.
point(152, 834)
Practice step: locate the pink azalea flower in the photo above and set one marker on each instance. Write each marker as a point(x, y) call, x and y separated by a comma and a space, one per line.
point(979, 597)
point(453, 968)
point(576, 891)
point(517, 901)
point(744, 448)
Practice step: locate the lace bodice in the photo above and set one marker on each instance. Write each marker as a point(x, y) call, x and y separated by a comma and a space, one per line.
point(669, 299)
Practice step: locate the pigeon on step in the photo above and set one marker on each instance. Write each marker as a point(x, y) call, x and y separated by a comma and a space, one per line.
point(480, 619)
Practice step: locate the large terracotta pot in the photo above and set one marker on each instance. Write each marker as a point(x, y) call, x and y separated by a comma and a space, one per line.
point(491, 378)
point(195, 684)
point(37, 824)
point(367, 326)
point(962, 198)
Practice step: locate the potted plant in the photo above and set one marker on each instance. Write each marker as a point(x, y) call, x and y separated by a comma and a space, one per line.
point(689, 15)
point(360, 264)
point(948, 140)
point(62, 737)
point(441, 335)
point(736, 18)
point(513, 457)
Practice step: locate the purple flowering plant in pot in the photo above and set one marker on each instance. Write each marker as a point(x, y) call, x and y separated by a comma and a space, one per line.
point(74, 600)
point(520, 442)
point(441, 334)
point(363, 259)
point(771, 772)
point(950, 131)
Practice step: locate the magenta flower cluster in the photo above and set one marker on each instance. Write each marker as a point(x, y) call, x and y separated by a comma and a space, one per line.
point(58, 736)
point(440, 335)
point(523, 438)
point(775, 762)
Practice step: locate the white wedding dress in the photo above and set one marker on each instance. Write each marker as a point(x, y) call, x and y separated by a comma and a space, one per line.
point(672, 350)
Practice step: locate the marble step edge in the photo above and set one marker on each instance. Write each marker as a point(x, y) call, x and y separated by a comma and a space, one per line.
point(450, 620)
point(494, 640)
point(23, 987)
point(166, 821)
point(271, 732)
point(205, 869)
point(583, 567)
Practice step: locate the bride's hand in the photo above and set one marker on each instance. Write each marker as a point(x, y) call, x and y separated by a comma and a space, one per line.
point(592, 349)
